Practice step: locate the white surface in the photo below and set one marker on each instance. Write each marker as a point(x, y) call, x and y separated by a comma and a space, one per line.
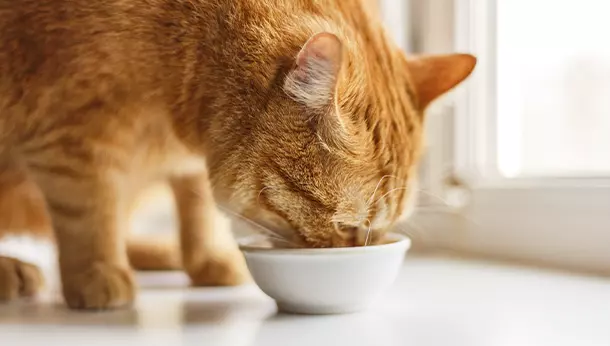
point(435, 302)
point(326, 281)
point(33, 250)
point(27, 248)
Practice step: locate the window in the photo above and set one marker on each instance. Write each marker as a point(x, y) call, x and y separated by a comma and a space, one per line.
point(523, 147)
point(552, 82)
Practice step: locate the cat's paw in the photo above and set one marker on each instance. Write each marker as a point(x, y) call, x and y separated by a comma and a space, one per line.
point(100, 287)
point(228, 270)
point(18, 279)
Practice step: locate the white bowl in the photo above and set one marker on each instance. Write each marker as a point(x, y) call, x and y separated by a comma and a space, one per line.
point(325, 281)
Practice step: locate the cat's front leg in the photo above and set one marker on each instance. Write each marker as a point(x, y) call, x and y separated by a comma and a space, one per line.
point(87, 211)
point(26, 246)
point(210, 254)
point(18, 279)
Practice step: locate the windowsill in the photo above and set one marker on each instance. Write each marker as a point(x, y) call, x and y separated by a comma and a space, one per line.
point(436, 301)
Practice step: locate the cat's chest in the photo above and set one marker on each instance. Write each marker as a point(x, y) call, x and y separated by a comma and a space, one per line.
point(164, 159)
point(183, 164)
point(176, 160)
point(158, 167)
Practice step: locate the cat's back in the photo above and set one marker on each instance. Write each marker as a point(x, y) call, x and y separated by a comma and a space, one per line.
point(45, 41)
point(59, 58)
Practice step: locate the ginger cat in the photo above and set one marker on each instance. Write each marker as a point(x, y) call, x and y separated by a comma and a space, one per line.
point(301, 115)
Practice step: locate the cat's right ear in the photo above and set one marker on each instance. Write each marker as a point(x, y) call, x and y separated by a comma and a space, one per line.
point(434, 75)
point(313, 80)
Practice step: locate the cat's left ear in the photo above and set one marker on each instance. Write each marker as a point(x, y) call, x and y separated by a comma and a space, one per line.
point(313, 80)
point(434, 75)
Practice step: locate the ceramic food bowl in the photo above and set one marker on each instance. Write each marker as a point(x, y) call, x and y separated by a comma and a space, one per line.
point(324, 281)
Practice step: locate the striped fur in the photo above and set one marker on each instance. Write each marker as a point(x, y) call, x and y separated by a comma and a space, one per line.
point(231, 102)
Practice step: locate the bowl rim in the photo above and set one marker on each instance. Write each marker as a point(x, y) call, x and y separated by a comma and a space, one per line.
point(400, 241)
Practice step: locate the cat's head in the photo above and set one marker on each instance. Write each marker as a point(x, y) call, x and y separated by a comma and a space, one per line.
point(335, 153)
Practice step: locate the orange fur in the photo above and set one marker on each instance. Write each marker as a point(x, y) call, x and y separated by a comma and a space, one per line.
point(302, 115)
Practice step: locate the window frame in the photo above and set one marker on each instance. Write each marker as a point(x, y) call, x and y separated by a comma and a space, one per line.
point(561, 222)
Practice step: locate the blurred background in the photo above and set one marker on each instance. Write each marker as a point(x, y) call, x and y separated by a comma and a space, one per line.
point(520, 154)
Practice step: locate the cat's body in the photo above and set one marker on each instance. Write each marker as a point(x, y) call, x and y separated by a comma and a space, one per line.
point(301, 114)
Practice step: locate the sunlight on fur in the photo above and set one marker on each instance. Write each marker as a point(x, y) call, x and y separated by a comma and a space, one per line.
point(302, 119)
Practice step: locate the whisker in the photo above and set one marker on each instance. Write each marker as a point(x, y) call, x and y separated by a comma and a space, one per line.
point(435, 208)
point(377, 187)
point(387, 193)
point(410, 231)
point(269, 233)
point(250, 222)
point(469, 219)
point(439, 198)
point(258, 197)
point(368, 233)
point(255, 224)
point(411, 223)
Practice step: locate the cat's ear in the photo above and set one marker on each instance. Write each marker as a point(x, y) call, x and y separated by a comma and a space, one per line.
point(434, 75)
point(313, 79)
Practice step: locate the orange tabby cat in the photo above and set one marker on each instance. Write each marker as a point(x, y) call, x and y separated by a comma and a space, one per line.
point(301, 114)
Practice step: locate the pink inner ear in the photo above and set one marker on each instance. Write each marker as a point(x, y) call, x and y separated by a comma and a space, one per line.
point(313, 81)
point(326, 48)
